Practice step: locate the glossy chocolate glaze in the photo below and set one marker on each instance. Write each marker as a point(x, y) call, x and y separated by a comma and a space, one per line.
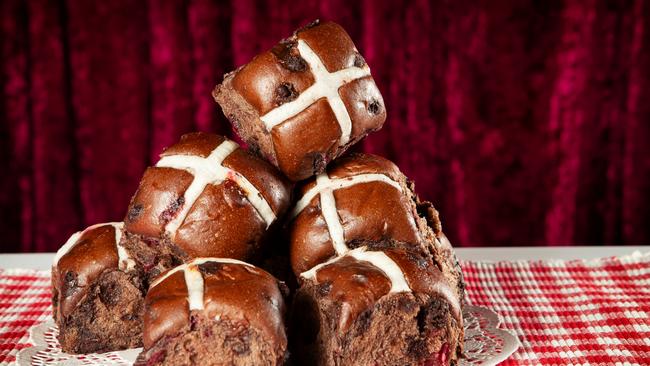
point(304, 143)
point(372, 211)
point(230, 290)
point(358, 284)
point(222, 221)
point(93, 252)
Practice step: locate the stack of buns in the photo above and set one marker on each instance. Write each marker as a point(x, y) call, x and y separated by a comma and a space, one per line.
point(191, 273)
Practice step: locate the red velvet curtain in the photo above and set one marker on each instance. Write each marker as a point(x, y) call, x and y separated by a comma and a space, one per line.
point(525, 122)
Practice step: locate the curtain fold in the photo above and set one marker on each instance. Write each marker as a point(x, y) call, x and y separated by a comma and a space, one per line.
point(525, 123)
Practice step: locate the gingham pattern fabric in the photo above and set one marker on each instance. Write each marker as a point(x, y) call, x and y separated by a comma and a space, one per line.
point(25, 300)
point(564, 312)
point(579, 312)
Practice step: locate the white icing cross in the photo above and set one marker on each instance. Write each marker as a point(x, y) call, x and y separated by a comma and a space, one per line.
point(326, 187)
point(332, 220)
point(125, 262)
point(326, 85)
point(211, 171)
point(377, 259)
point(194, 279)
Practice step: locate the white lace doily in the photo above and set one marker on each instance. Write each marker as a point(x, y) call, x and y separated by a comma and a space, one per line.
point(485, 344)
point(47, 351)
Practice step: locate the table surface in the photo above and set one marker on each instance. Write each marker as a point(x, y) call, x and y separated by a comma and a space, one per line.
point(43, 261)
point(588, 312)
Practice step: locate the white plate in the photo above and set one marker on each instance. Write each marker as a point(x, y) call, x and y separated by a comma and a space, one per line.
point(485, 344)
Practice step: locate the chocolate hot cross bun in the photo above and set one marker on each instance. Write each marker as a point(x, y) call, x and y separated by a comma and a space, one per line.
point(214, 311)
point(379, 281)
point(305, 101)
point(364, 200)
point(206, 197)
point(97, 292)
point(391, 307)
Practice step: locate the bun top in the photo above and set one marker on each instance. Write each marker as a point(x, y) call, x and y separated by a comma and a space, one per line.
point(220, 288)
point(361, 200)
point(82, 259)
point(361, 277)
point(209, 197)
point(314, 94)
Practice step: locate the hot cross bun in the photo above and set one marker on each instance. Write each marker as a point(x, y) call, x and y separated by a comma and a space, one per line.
point(206, 197)
point(97, 292)
point(380, 283)
point(214, 311)
point(362, 200)
point(388, 307)
point(305, 101)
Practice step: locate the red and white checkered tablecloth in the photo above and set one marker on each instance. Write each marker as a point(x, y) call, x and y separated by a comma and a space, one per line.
point(25, 300)
point(593, 312)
